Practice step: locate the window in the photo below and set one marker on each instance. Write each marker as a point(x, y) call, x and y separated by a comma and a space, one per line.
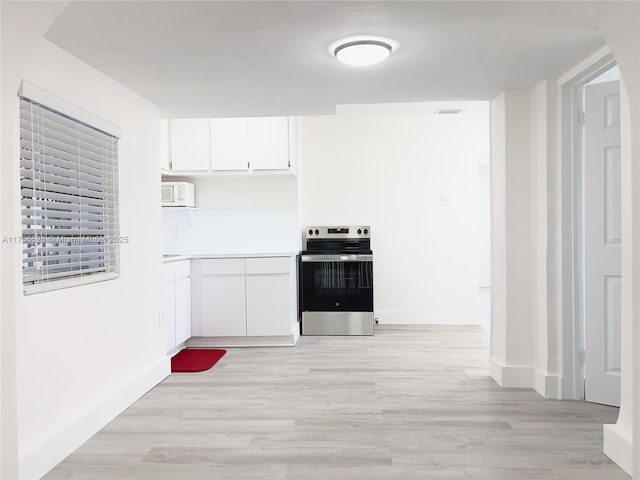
point(69, 189)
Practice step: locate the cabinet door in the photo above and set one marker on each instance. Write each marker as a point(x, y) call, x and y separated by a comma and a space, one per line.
point(268, 140)
point(169, 315)
point(183, 309)
point(190, 144)
point(268, 305)
point(223, 306)
point(229, 144)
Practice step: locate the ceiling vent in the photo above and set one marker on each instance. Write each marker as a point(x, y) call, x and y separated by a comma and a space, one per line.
point(448, 111)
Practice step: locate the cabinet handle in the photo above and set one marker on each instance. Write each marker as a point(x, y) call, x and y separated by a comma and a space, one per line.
point(248, 165)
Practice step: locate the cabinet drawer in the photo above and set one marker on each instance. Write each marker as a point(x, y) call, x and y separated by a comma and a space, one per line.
point(183, 269)
point(223, 266)
point(262, 265)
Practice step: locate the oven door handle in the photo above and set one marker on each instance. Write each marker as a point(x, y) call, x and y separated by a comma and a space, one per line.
point(337, 258)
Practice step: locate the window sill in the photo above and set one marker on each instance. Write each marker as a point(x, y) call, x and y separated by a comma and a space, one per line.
point(68, 283)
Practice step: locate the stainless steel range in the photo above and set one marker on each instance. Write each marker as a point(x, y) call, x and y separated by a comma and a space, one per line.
point(336, 281)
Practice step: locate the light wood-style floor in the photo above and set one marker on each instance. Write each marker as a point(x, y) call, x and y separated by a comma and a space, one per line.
point(412, 402)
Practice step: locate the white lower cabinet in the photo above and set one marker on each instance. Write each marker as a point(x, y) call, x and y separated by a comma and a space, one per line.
point(223, 306)
point(268, 305)
point(169, 315)
point(268, 296)
point(239, 297)
point(183, 309)
point(176, 303)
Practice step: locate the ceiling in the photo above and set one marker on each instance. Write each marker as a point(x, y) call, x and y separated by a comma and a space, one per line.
point(237, 58)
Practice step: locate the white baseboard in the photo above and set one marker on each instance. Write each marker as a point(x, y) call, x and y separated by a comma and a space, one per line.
point(549, 386)
point(618, 447)
point(508, 376)
point(428, 318)
point(495, 370)
point(223, 342)
point(177, 349)
point(35, 461)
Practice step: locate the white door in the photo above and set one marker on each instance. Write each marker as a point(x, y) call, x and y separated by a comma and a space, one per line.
point(602, 232)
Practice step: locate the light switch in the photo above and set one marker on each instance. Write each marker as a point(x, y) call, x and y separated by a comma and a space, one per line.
point(444, 200)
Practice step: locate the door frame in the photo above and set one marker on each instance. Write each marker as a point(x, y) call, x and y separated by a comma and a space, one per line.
point(571, 86)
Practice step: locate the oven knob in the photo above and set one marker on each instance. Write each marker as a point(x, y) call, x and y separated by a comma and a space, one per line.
point(310, 232)
point(337, 304)
point(359, 231)
point(366, 230)
point(317, 232)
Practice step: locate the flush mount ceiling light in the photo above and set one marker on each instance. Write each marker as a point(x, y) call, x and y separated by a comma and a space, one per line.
point(362, 52)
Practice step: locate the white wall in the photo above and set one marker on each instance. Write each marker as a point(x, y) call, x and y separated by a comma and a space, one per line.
point(23, 24)
point(510, 363)
point(484, 225)
point(526, 291)
point(498, 344)
point(390, 172)
point(537, 252)
point(254, 192)
point(231, 231)
point(619, 23)
point(546, 240)
point(620, 26)
point(86, 353)
point(236, 215)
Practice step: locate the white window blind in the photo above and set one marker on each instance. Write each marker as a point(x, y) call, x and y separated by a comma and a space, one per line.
point(69, 188)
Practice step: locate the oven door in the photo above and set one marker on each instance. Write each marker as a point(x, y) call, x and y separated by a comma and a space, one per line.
point(336, 283)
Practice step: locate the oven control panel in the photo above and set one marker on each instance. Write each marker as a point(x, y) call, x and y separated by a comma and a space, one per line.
point(362, 231)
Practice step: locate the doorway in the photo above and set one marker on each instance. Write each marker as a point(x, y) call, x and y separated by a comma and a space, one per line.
point(602, 238)
point(591, 172)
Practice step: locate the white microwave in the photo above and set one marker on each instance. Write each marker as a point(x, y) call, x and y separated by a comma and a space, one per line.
point(178, 194)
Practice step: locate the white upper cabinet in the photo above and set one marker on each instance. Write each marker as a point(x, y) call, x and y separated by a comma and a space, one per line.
point(190, 145)
point(268, 143)
point(229, 146)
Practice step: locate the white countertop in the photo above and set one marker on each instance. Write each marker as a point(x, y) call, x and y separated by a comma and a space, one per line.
point(176, 257)
point(169, 258)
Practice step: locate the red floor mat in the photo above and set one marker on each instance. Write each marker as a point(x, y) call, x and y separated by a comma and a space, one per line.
point(195, 359)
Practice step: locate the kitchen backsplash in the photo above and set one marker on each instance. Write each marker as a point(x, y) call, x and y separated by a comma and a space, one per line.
point(230, 231)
